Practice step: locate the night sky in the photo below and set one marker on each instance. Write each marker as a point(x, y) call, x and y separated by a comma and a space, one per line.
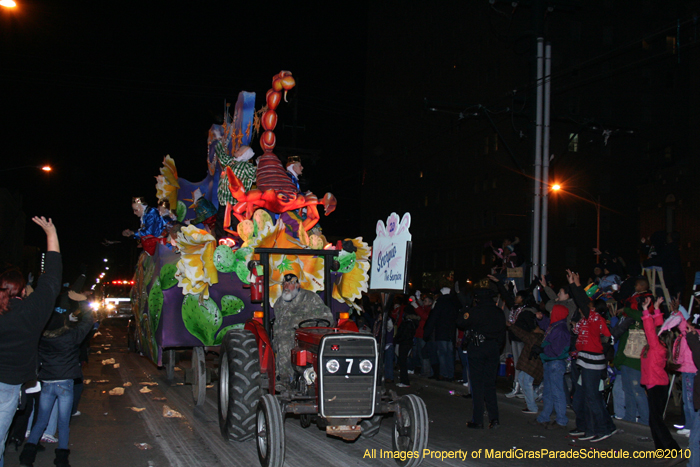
point(102, 91)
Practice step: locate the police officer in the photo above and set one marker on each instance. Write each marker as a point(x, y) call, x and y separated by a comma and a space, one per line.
point(485, 324)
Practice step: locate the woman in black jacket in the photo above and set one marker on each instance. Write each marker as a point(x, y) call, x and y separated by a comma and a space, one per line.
point(21, 322)
point(59, 351)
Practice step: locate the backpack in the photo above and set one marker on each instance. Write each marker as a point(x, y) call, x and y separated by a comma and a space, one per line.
point(636, 340)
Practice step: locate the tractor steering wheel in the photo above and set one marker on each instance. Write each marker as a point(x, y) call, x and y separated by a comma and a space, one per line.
point(316, 322)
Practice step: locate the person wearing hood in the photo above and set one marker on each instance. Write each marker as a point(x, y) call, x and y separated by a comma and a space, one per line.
point(555, 351)
point(629, 333)
point(563, 297)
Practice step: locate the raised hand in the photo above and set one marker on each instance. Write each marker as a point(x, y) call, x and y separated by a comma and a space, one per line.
point(50, 230)
point(493, 278)
point(47, 225)
point(647, 302)
point(658, 302)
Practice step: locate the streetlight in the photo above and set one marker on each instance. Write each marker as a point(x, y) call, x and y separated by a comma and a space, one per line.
point(596, 202)
point(8, 4)
point(45, 168)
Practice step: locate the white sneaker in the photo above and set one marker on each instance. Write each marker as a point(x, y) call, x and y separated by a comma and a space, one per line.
point(401, 385)
point(512, 394)
point(49, 439)
point(410, 372)
point(684, 432)
point(466, 384)
point(77, 413)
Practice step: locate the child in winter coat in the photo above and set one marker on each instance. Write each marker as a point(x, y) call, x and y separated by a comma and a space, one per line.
point(654, 376)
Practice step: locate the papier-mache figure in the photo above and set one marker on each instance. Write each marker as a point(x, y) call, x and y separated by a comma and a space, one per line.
point(152, 227)
point(205, 212)
point(241, 167)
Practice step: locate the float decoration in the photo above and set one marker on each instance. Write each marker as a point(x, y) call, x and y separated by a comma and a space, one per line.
point(195, 269)
point(275, 191)
point(166, 183)
point(352, 283)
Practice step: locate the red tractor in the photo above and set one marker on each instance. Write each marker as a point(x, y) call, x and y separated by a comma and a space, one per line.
point(338, 384)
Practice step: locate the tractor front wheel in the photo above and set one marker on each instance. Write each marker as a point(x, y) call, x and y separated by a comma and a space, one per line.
point(270, 432)
point(410, 429)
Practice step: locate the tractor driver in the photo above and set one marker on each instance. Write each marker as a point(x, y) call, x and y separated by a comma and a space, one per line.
point(294, 306)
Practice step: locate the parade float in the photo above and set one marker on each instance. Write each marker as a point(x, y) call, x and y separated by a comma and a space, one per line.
point(188, 294)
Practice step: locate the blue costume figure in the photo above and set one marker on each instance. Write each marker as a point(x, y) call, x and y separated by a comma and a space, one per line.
point(152, 228)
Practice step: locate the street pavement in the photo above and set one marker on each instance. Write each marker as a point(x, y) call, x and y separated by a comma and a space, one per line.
point(109, 433)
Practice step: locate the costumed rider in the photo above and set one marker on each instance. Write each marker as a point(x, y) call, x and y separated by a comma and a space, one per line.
point(152, 227)
point(294, 169)
point(291, 308)
point(244, 171)
point(485, 328)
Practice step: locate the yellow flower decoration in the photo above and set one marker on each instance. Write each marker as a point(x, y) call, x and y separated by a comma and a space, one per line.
point(309, 269)
point(351, 284)
point(166, 183)
point(195, 269)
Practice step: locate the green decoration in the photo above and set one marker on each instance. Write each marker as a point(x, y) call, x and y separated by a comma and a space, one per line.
point(231, 305)
point(241, 263)
point(285, 265)
point(224, 259)
point(155, 305)
point(347, 261)
point(222, 333)
point(149, 265)
point(202, 321)
point(181, 211)
point(167, 276)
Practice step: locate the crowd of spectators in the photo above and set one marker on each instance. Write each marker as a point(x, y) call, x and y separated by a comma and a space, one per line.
point(608, 347)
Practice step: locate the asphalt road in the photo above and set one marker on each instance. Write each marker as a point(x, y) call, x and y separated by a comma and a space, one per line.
point(110, 434)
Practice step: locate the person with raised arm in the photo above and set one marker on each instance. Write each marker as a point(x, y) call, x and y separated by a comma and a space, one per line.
point(22, 319)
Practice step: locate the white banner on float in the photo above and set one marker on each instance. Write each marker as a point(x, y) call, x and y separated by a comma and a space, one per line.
point(391, 254)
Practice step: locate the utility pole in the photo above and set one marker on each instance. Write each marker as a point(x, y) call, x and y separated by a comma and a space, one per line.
point(536, 219)
point(545, 155)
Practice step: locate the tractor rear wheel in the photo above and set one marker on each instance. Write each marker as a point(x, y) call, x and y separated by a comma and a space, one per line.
point(239, 385)
point(410, 429)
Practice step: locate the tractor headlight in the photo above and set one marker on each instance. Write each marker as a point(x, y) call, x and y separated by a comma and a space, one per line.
point(332, 366)
point(365, 366)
